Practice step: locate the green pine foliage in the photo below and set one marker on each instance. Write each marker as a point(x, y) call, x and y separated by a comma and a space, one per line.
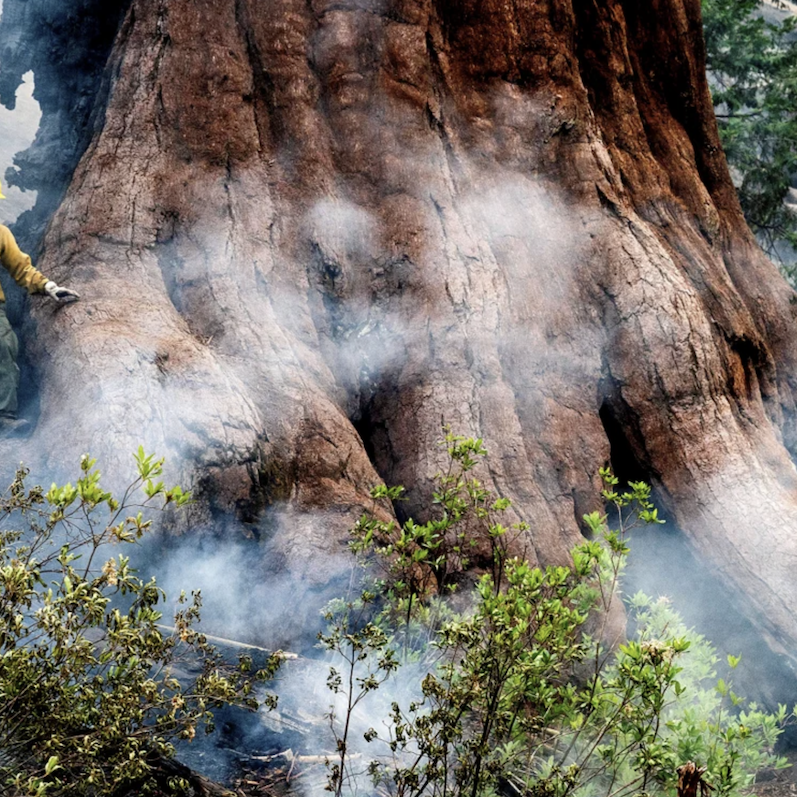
point(752, 66)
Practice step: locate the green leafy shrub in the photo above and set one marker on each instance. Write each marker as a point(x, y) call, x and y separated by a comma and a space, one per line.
point(523, 692)
point(708, 722)
point(91, 695)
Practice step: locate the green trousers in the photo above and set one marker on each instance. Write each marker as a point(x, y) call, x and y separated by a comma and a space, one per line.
point(9, 370)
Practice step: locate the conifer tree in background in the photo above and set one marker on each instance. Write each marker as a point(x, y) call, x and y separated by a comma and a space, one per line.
point(752, 65)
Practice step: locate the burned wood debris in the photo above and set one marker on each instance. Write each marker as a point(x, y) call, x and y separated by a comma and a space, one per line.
point(274, 750)
point(690, 780)
point(280, 773)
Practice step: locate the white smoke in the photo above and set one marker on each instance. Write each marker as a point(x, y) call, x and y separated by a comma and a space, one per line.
point(17, 131)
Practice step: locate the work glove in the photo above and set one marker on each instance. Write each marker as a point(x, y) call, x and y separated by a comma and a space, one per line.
point(61, 295)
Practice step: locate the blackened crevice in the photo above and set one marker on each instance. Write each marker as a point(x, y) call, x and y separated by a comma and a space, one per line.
point(626, 449)
point(758, 367)
point(363, 422)
point(375, 437)
point(627, 455)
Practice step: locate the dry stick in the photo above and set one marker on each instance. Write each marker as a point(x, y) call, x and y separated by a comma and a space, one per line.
point(289, 755)
point(233, 643)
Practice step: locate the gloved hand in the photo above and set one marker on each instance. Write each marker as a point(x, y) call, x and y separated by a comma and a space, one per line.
point(61, 295)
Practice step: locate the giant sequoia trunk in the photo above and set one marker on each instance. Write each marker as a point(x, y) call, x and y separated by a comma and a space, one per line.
point(308, 232)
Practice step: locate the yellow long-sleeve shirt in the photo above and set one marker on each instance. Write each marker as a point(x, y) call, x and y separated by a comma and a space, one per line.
point(18, 265)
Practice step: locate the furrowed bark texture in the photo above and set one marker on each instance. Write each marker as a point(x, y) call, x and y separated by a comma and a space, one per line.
point(307, 232)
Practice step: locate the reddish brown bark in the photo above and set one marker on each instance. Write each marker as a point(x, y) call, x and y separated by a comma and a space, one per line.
point(307, 233)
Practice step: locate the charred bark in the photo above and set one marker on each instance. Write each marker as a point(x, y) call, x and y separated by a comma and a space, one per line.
point(308, 232)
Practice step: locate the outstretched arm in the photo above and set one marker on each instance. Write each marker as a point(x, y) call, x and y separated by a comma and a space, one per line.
point(19, 266)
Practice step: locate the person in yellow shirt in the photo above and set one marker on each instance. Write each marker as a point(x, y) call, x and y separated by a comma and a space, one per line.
point(19, 266)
